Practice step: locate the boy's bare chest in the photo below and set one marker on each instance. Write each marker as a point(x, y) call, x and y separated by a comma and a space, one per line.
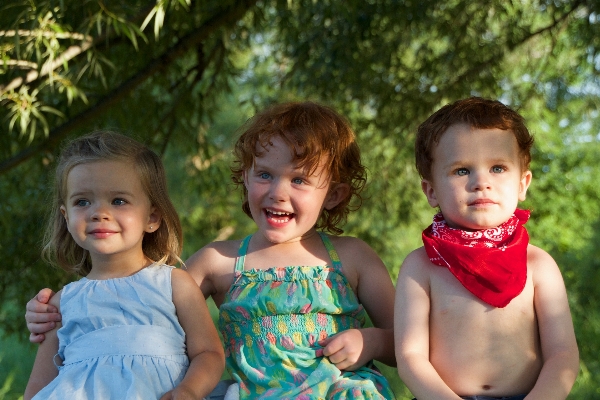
point(473, 344)
point(454, 307)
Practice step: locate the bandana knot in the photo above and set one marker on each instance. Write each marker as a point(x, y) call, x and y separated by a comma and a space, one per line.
point(490, 263)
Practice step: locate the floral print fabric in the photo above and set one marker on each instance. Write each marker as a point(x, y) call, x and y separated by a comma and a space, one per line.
point(271, 322)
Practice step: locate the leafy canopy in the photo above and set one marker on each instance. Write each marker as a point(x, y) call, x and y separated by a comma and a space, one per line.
point(182, 75)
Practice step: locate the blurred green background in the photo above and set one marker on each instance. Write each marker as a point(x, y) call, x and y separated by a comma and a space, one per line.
point(183, 75)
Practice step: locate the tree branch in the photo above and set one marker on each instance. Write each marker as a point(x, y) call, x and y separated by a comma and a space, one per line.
point(551, 26)
point(39, 32)
point(70, 53)
point(22, 64)
point(49, 66)
point(227, 17)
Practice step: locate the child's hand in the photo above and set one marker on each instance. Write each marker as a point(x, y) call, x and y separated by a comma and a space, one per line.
point(179, 393)
point(41, 317)
point(346, 349)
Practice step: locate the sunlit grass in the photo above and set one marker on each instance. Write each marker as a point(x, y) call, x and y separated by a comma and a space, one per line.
point(16, 360)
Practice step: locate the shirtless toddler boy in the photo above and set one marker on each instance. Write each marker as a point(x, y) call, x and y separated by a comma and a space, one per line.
point(480, 311)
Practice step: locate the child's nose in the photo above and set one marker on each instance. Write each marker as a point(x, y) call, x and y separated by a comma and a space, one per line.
point(279, 190)
point(100, 212)
point(480, 181)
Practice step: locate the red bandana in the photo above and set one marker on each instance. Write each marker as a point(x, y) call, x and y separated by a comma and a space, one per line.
point(490, 263)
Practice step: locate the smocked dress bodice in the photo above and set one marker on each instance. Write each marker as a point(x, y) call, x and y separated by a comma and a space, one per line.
point(272, 321)
point(120, 339)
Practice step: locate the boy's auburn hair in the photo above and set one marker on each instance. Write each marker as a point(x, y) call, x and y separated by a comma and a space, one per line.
point(477, 112)
point(163, 245)
point(316, 135)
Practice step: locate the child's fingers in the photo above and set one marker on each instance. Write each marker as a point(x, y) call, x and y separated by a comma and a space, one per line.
point(343, 360)
point(166, 396)
point(40, 328)
point(335, 351)
point(331, 345)
point(39, 304)
point(44, 295)
point(345, 365)
point(343, 349)
point(37, 337)
point(337, 358)
point(35, 316)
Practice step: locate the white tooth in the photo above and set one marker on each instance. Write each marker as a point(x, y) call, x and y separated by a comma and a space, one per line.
point(279, 213)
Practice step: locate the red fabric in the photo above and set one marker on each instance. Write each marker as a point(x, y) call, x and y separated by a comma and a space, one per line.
point(490, 263)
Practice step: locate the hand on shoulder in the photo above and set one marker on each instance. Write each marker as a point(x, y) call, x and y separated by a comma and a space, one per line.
point(42, 315)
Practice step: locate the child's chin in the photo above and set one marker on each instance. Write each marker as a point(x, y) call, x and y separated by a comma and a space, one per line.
point(277, 238)
point(474, 225)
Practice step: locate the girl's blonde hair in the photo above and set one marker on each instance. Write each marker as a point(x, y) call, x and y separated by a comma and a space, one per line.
point(315, 134)
point(163, 245)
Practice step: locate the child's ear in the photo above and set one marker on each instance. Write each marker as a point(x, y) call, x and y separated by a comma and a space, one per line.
point(63, 211)
point(154, 220)
point(429, 191)
point(524, 184)
point(337, 193)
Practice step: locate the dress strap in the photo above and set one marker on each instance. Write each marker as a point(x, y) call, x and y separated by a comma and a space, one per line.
point(241, 258)
point(333, 255)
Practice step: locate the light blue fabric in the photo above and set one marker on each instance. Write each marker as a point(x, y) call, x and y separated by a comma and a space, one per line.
point(120, 339)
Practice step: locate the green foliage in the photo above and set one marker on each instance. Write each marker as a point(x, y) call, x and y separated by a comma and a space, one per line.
point(69, 67)
point(566, 217)
point(16, 360)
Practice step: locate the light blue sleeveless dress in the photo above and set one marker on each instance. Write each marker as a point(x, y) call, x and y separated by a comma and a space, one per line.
point(271, 321)
point(120, 339)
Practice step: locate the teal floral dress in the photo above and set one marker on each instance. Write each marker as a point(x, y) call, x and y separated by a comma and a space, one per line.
point(271, 322)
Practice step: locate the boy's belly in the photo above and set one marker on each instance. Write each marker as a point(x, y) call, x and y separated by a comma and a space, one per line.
point(488, 376)
point(478, 349)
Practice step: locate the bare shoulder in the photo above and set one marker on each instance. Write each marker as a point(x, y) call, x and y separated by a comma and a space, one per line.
point(547, 279)
point(353, 249)
point(537, 256)
point(186, 294)
point(213, 257)
point(368, 277)
point(541, 264)
point(357, 257)
point(55, 300)
point(181, 279)
point(416, 266)
point(417, 257)
point(212, 268)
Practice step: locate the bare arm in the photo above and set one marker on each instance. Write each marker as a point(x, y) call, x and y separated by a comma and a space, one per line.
point(411, 326)
point(212, 268)
point(198, 266)
point(41, 315)
point(559, 347)
point(353, 348)
point(44, 370)
point(207, 360)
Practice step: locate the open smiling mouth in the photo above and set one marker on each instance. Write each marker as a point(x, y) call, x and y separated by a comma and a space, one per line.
point(279, 216)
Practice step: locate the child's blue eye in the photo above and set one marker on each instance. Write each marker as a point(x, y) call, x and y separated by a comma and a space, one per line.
point(119, 202)
point(497, 169)
point(264, 175)
point(82, 203)
point(297, 181)
point(462, 172)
